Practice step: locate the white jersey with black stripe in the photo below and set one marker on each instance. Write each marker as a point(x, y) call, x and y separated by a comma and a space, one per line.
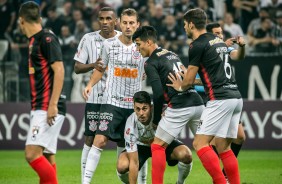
point(88, 51)
point(125, 70)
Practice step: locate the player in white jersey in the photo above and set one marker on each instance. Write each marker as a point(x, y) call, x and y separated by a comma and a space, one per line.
point(139, 134)
point(125, 71)
point(88, 52)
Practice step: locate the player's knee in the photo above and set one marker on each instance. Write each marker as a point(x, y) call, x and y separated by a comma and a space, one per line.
point(186, 157)
point(122, 167)
point(100, 141)
point(89, 140)
point(30, 156)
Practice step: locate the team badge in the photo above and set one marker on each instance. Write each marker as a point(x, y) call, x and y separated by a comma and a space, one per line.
point(93, 125)
point(35, 131)
point(103, 125)
point(48, 39)
point(136, 54)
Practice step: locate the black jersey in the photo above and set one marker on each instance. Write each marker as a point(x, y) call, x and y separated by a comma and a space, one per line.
point(157, 68)
point(44, 49)
point(210, 54)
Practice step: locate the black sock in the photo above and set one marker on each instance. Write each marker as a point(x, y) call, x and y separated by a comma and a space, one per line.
point(214, 149)
point(236, 149)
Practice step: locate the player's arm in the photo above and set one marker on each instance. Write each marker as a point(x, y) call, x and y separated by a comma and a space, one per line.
point(240, 53)
point(133, 166)
point(158, 97)
point(58, 81)
point(83, 68)
point(131, 137)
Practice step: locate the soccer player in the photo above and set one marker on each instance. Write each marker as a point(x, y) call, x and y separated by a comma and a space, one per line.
point(235, 54)
point(183, 107)
point(46, 74)
point(208, 55)
point(125, 70)
point(139, 134)
point(86, 56)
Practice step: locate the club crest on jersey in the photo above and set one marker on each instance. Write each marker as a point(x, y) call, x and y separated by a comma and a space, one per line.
point(48, 39)
point(103, 125)
point(135, 54)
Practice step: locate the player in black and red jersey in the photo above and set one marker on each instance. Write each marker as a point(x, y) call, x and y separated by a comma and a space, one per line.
point(208, 56)
point(46, 73)
point(183, 107)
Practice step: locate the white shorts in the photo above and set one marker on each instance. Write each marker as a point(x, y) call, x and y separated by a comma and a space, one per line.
point(41, 133)
point(175, 120)
point(221, 118)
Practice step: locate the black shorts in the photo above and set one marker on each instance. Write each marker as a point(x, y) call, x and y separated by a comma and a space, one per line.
point(144, 152)
point(112, 122)
point(91, 116)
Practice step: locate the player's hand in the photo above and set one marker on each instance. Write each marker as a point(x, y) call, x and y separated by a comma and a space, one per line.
point(99, 65)
point(240, 41)
point(51, 114)
point(230, 41)
point(176, 82)
point(86, 92)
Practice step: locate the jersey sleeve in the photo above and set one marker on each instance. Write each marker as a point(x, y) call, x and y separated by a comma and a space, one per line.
point(158, 98)
point(82, 54)
point(51, 49)
point(130, 134)
point(195, 54)
point(104, 53)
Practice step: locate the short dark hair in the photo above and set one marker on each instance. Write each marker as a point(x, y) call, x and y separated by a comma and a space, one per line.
point(30, 12)
point(145, 33)
point(197, 16)
point(107, 8)
point(130, 12)
point(142, 97)
point(212, 25)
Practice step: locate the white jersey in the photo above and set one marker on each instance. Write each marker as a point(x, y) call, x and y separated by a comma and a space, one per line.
point(137, 133)
point(125, 70)
point(88, 51)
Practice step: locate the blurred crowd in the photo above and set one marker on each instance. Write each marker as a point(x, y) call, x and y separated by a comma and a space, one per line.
point(259, 21)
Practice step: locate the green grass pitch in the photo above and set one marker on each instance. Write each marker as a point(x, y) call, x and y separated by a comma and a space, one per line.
point(256, 167)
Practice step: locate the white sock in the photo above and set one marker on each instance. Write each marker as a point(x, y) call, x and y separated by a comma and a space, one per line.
point(91, 164)
point(119, 150)
point(142, 174)
point(183, 171)
point(84, 155)
point(123, 177)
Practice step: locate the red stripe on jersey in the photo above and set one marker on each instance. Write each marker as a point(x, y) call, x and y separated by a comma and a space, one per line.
point(167, 99)
point(208, 82)
point(46, 81)
point(31, 75)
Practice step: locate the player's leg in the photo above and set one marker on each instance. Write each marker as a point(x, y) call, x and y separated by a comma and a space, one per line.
point(178, 153)
point(237, 143)
point(91, 116)
point(42, 137)
point(211, 125)
point(142, 174)
point(123, 167)
point(229, 160)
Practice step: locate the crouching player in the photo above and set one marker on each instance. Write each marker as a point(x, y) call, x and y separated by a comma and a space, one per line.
point(139, 134)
